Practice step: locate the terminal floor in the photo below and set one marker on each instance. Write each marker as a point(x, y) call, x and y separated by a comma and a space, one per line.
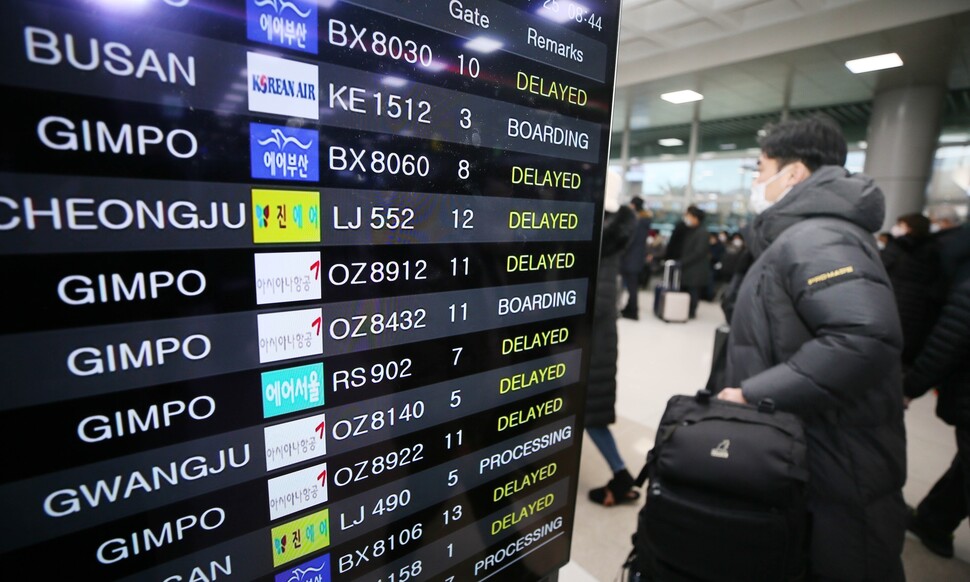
point(658, 360)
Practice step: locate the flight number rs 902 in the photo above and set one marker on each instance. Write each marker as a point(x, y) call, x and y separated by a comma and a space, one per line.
point(378, 323)
point(378, 272)
point(357, 377)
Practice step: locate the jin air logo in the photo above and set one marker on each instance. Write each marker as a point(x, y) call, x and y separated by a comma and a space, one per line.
point(721, 450)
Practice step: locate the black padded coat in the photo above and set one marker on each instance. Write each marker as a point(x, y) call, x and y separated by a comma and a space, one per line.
point(618, 227)
point(815, 328)
point(944, 362)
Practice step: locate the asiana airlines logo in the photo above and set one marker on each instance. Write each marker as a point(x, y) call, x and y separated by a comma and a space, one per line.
point(721, 450)
point(283, 87)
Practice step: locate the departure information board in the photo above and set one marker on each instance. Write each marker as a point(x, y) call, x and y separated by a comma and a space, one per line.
point(298, 290)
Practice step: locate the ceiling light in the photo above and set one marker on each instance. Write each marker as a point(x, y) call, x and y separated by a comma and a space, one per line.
point(876, 63)
point(483, 44)
point(682, 96)
point(396, 82)
point(954, 138)
point(728, 146)
point(669, 142)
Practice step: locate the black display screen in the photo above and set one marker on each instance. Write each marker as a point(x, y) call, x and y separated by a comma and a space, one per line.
point(298, 290)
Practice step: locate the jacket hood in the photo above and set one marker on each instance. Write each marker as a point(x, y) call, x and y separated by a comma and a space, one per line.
point(830, 192)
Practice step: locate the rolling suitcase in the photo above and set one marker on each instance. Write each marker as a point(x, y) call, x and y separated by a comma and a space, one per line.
point(670, 303)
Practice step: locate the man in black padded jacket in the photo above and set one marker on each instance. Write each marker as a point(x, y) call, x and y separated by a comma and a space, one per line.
point(815, 328)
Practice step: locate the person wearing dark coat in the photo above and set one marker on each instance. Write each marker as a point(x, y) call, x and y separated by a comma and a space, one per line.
point(944, 363)
point(675, 244)
point(695, 257)
point(912, 260)
point(718, 250)
point(619, 224)
point(634, 259)
point(815, 329)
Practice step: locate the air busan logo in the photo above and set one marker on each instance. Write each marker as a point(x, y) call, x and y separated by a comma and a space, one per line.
point(283, 153)
point(283, 87)
point(316, 570)
point(721, 450)
point(289, 24)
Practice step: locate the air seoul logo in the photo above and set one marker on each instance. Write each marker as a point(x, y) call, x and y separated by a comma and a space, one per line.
point(277, 152)
point(283, 87)
point(288, 24)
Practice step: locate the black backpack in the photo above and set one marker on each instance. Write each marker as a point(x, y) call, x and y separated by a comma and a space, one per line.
point(726, 499)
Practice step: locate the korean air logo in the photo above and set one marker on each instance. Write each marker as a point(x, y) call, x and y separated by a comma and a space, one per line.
point(284, 153)
point(290, 24)
point(283, 87)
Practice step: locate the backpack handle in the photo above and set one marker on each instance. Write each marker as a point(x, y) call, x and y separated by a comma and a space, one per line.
point(767, 406)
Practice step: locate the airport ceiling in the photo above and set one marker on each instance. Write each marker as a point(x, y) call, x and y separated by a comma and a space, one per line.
point(744, 56)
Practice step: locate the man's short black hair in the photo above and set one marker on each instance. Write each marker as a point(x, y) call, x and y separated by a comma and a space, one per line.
point(637, 203)
point(696, 213)
point(815, 141)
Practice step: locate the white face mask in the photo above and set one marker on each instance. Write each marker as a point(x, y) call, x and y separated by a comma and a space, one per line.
point(897, 231)
point(935, 227)
point(758, 203)
point(881, 245)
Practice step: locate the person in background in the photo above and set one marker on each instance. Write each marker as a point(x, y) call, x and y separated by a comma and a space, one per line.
point(882, 240)
point(912, 260)
point(695, 257)
point(675, 243)
point(815, 329)
point(943, 218)
point(656, 251)
point(634, 259)
point(732, 252)
point(717, 250)
point(619, 224)
point(944, 364)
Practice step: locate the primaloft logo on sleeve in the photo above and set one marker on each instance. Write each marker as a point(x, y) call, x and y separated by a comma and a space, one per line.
point(283, 87)
point(289, 24)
